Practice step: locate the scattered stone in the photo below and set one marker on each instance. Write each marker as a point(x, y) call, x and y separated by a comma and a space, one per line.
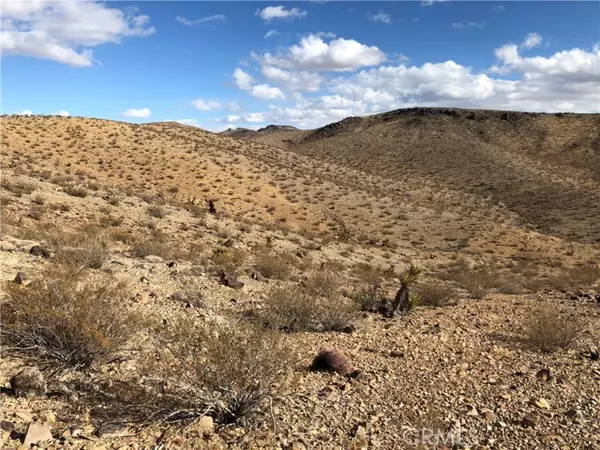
point(594, 353)
point(329, 360)
point(489, 415)
point(205, 425)
point(230, 281)
point(111, 430)
point(37, 433)
point(24, 416)
point(256, 275)
point(21, 278)
point(397, 354)
point(144, 280)
point(48, 416)
point(29, 382)
point(573, 413)
point(541, 403)
point(38, 250)
point(565, 382)
point(172, 264)
point(529, 421)
point(7, 426)
point(544, 375)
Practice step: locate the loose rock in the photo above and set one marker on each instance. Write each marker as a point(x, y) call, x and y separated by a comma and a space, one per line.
point(37, 433)
point(38, 250)
point(29, 382)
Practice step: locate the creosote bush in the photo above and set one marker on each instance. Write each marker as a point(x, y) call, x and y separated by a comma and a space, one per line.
point(294, 308)
point(273, 266)
point(226, 372)
point(549, 330)
point(576, 277)
point(157, 211)
point(228, 260)
point(75, 191)
point(66, 320)
point(435, 294)
point(370, 298)
point(322, 283)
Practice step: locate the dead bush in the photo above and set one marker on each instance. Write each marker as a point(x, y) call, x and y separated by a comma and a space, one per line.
point(75, 191)
point(322, 284)
point(37, 212)
point(65, 319)
point(225, 372)
point(92, 255)
point(293, 309)
point(549, 329)
point(228, 260)
point(157, 211)
point(370, 298)
point(18, 187)
point(576, 278)
point(273, 266)
point(435, 294)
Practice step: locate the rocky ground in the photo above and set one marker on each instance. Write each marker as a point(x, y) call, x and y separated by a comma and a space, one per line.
point(463, 375)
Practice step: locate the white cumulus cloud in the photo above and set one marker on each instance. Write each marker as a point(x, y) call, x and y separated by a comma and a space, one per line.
point(280, 12)
point(65, 31)
point(206, 105)
point(245, 82)
point(62, 113)
point(133, 112)
point(267, 92)
point(313, 53)
point(532, 40)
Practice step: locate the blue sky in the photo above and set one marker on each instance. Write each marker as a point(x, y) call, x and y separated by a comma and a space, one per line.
point(227, 64)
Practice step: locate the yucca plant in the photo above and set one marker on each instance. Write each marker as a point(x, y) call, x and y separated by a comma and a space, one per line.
point(403, 301)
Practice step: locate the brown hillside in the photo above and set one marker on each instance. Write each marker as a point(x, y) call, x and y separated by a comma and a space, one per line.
point(544, 167)
point(134, 316)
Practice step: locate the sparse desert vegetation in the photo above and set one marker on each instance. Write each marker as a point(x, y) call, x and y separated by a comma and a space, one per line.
point(297, 289)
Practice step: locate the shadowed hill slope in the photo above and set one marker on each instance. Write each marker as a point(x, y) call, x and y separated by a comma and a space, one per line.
point(544, 167)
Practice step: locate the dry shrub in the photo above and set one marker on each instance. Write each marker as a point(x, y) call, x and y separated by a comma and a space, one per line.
point(19, 187)
point(157, 211)
point(293, 309)
point(65, 319)
point(549, 330)
point(228, 260)
point(435, 294)
point(196, 210)
point(576, 277)
point(372, 275)
point(273, 266)
point(322, 284)
point(158, 245)
point(85, 247)
point(370, 298)
point(75, 191)
point(37, 212)
point(92, 255)
point(226, 372)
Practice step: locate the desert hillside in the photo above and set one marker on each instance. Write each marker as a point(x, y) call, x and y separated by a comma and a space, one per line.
point(416, 279)
point(543, 167)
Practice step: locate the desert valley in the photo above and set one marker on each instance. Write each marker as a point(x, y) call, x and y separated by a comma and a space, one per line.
point(168, 287)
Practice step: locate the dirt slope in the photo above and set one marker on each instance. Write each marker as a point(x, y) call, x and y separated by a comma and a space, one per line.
point(544, 167)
